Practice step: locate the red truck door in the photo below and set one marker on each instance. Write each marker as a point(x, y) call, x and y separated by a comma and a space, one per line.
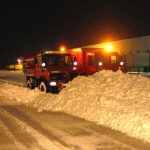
point(90, 63)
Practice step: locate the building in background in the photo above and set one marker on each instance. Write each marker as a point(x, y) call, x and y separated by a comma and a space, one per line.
point(17, 66)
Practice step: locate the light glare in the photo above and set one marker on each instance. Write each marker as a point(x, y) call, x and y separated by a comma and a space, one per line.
point(100, 63)
point(19, 61)
point(62, 48)
point(108, 47)
point(121, 63)
point(75, 63)
point(74, 68)
point(43, 64)
point(53, 83)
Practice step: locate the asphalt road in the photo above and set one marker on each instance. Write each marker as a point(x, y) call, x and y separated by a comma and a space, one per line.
point(25, 128)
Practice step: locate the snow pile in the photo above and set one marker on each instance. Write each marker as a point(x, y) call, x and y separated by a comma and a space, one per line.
point(113, 99)
point(18, 94)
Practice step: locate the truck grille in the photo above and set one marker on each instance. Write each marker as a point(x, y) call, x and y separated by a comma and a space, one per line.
point(58, 76)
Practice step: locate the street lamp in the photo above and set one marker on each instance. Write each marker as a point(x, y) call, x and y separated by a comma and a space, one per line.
point(19, 61)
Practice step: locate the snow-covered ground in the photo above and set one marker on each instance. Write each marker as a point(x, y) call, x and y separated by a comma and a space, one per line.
point(14, 77)
point(26, 138)
point(113, 99)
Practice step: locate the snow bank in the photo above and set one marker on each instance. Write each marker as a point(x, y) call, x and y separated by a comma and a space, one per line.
point(113, 99)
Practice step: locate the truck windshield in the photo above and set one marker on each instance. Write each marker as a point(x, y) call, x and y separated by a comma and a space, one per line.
point(57, 59)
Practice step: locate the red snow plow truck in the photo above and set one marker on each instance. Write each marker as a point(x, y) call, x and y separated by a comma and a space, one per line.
point(48, 70)
point(88, 61)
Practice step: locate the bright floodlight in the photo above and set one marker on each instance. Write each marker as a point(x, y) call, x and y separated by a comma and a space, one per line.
point(62, 48)
point(108, 47)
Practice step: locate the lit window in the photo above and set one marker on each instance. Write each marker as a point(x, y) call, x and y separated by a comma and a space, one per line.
point(113, 59)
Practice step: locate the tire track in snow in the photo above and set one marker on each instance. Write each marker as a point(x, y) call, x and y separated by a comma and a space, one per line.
point(10, 125)
point(20, 115)
point(39, 141)
point(5, 137)
point(26, 137)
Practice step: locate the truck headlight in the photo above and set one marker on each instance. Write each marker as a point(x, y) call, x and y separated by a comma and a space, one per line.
point(100, 63)
point(74, 68)
point(75, 63)
point(43, 64)
point(53, 83)
point(121, 63)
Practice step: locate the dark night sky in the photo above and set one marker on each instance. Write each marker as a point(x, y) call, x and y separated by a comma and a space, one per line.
point(28, 25)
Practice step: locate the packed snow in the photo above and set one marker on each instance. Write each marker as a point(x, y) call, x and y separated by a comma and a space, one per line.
point(113, 99)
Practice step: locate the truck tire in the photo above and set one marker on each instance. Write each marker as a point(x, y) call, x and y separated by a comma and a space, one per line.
point(29, 84)
point(43, 87)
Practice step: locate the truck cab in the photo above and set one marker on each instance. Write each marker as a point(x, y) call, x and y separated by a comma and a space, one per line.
point(48, 70)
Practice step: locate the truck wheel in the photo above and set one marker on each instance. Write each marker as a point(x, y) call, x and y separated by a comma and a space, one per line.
point(43, 87)
point(29, 84)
